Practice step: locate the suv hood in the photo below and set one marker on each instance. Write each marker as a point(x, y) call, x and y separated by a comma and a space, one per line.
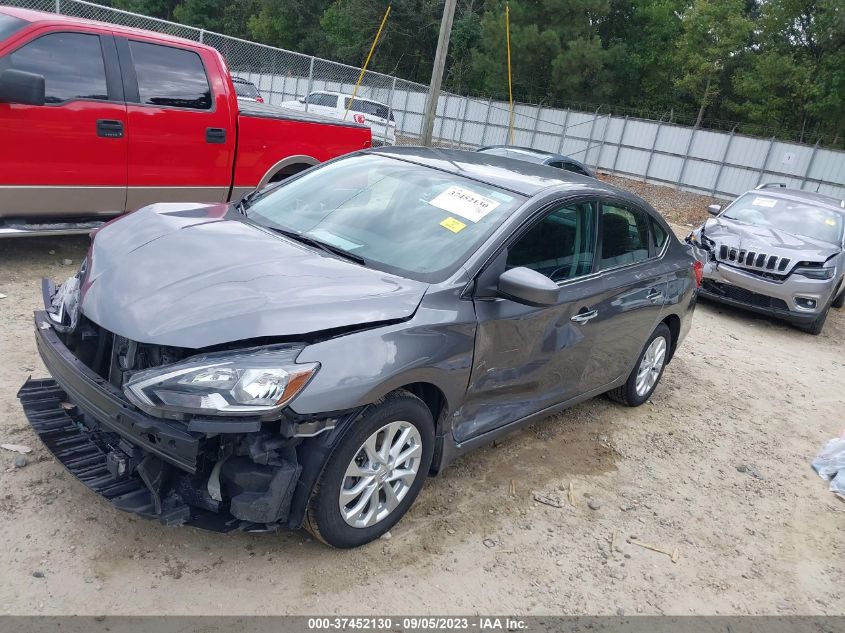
point(200, 275)
point(771, 241)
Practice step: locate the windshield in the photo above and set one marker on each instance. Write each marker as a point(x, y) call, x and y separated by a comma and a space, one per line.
point(791, 216)
point(399, 217)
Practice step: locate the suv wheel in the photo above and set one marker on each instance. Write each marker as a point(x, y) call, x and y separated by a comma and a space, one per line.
point(840, 299)
point(815, 327)
point(648, 370)
point(374, 475)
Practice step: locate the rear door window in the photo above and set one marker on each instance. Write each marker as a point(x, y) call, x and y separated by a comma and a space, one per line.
point(624, 235)
point(169, 76)
point(71, 64)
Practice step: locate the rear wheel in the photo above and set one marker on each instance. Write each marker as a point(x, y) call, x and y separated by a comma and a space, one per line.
point(648, 370)
point(373, 477)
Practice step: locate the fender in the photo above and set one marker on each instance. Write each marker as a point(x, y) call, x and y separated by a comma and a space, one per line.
point(297, 159)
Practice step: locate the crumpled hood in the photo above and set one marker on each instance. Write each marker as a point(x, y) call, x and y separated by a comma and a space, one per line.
point(767, 240)
point(199, 275)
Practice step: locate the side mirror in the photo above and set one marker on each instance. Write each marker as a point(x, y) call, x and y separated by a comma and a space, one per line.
point(714, 209)
point(301, 100)
point(18, 86)
point(528, 286)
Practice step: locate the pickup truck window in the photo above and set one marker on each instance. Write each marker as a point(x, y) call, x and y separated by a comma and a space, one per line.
point(321, 99)
point(9, 25)
point(169, 76)
point(71, 63)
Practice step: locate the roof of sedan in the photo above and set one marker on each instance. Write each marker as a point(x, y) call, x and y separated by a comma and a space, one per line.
point(520, 176)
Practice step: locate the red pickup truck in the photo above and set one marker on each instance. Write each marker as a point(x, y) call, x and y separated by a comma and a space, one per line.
point(98, 119)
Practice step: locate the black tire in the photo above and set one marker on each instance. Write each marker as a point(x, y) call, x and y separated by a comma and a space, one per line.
point(815, 327)
point(323, 517)
point(840, 298)
point(627, 393)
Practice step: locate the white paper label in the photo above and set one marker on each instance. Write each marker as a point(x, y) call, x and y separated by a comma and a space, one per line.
point(764, 202)
point(464, 203)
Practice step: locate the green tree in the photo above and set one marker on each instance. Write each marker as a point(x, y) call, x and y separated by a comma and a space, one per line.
point(714, 34)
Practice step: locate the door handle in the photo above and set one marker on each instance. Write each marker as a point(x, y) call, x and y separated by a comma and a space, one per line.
point(109, 128)
point(215, 135)
point(584, 317)
point(654, 295)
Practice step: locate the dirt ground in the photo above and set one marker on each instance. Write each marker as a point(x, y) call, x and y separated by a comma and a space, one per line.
point(716, 467)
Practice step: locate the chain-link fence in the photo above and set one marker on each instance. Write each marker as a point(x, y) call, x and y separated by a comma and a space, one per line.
point(719, 163)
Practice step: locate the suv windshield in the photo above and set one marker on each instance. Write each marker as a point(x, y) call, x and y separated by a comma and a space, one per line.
point(9, 24)
point(791, 216)
point(399, 217)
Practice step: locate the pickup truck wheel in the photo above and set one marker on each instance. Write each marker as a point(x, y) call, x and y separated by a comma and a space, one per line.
point(648, 370)
point(373, 477)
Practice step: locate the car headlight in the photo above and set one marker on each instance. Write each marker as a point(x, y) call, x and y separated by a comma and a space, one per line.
point(813, 272)
point(223, 384)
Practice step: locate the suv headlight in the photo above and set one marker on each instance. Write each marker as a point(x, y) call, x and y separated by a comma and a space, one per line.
point(812, 272)
point(223, 384)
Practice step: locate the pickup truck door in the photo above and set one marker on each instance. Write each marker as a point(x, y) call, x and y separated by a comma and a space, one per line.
point(68, 156)
point(181, 118)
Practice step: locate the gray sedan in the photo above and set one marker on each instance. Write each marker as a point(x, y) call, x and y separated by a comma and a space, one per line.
point(778, 251)
point(308, 356)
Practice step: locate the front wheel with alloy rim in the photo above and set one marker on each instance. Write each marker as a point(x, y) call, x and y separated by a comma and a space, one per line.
point(647, 371)
point(374, 475)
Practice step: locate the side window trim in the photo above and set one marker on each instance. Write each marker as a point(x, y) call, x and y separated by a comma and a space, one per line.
point(114, 81)
point(127, 71)
point(100, 37)
point(126, 63)
point(652, 254)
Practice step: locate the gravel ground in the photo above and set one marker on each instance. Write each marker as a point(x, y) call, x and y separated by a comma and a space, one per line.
point(713, 470)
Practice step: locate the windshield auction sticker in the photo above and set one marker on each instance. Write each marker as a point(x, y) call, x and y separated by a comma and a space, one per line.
point(465, 203)
point(764, 202)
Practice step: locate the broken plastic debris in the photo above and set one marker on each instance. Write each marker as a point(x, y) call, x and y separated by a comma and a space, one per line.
point(831, 459)
point(2, 296)
point(17, 448)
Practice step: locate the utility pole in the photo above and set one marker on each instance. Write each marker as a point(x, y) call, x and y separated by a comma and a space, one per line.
point(437, 71)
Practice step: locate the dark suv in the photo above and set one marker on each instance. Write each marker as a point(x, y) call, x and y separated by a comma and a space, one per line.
point(311, 354)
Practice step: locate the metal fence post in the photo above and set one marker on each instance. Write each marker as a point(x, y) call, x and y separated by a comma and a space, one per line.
point(686, 157)
point(58, 6)
point(444, 118)
point(563, 132)
point(463, 121)
point(389, 107)
point(653, 147)
point(810, 163)
point(310, 81)
point(601, 145)
point(619, 146)
point(536, 124)
point(766, 161)
point(722, 163)
point(486, 121)
point(590, 142)
point(202, 31)
point(405, 105)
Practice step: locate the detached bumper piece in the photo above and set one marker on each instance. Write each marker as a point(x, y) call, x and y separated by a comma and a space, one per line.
point(136, 481)
point(102, 461)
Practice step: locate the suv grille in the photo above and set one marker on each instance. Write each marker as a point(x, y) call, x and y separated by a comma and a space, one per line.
point(744, 296)
point(756, 262)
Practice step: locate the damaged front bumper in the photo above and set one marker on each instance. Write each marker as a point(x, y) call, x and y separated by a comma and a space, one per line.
point(241, 476)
